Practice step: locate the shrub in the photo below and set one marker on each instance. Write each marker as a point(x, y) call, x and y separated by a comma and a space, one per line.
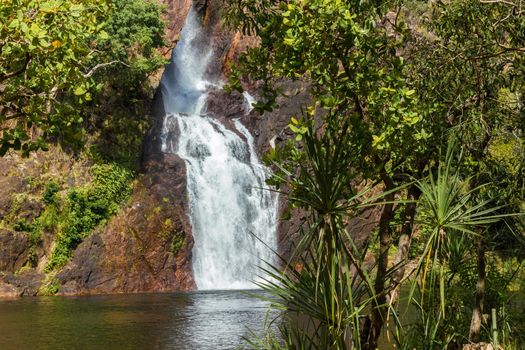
point(22, 226)
point(50, 190)
point(177, 242)
point(88, 207)
point(111, 182)
point(50, 286)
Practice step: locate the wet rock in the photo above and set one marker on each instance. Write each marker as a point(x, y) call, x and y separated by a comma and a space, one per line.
point(221, 103)
point(272, 127)
point(201, 6)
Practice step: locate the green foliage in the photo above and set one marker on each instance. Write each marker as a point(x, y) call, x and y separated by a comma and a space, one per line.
point(50, 286)
point(35, 236)
point(87, 207)
point(22, 226)
point(352, 66)
point(34, 233)
point(119, 138)
point(168, 232)
point(120, 119)
point(177, 243)
point(390, 85)
point(429, 330)
point(50, 190)
point(75, 217)
point(49, 218)
point(45, 222)
point(61, 61)
point(463, 77)
point(110, 183)
point(44, 47)
point(134, 31)
point(326, 281)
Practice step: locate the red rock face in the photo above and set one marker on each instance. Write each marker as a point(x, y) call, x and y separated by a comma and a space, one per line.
point(176, 12)
point(146, 247)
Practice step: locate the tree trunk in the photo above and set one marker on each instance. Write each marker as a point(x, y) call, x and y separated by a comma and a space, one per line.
point(378, 314)
point(477, 312)
point(403, 246)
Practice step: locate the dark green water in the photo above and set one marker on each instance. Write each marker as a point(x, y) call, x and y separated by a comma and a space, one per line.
point(182, 321)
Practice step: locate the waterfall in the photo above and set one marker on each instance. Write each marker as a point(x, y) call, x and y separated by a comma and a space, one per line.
point(232, 211)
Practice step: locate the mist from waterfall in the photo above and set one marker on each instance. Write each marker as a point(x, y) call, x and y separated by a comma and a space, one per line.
point(232, 211)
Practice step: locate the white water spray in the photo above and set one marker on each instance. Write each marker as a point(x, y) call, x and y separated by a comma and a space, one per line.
point(249, 101)
point(232, 212)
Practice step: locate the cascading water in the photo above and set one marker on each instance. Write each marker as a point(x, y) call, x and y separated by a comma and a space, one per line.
point(232, 212)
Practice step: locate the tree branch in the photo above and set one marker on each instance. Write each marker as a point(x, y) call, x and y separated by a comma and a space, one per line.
point(102, 65)
point(5, 76)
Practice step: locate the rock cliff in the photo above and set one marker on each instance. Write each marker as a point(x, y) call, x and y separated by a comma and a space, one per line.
point(146, 246)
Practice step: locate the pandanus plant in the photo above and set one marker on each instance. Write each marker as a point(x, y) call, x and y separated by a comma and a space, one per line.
point(325, 290)
point(453, 215)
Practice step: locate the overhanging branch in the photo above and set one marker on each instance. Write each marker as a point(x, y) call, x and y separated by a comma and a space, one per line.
point(102, 65)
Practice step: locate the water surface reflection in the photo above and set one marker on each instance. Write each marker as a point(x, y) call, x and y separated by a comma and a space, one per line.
point(182, 321)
